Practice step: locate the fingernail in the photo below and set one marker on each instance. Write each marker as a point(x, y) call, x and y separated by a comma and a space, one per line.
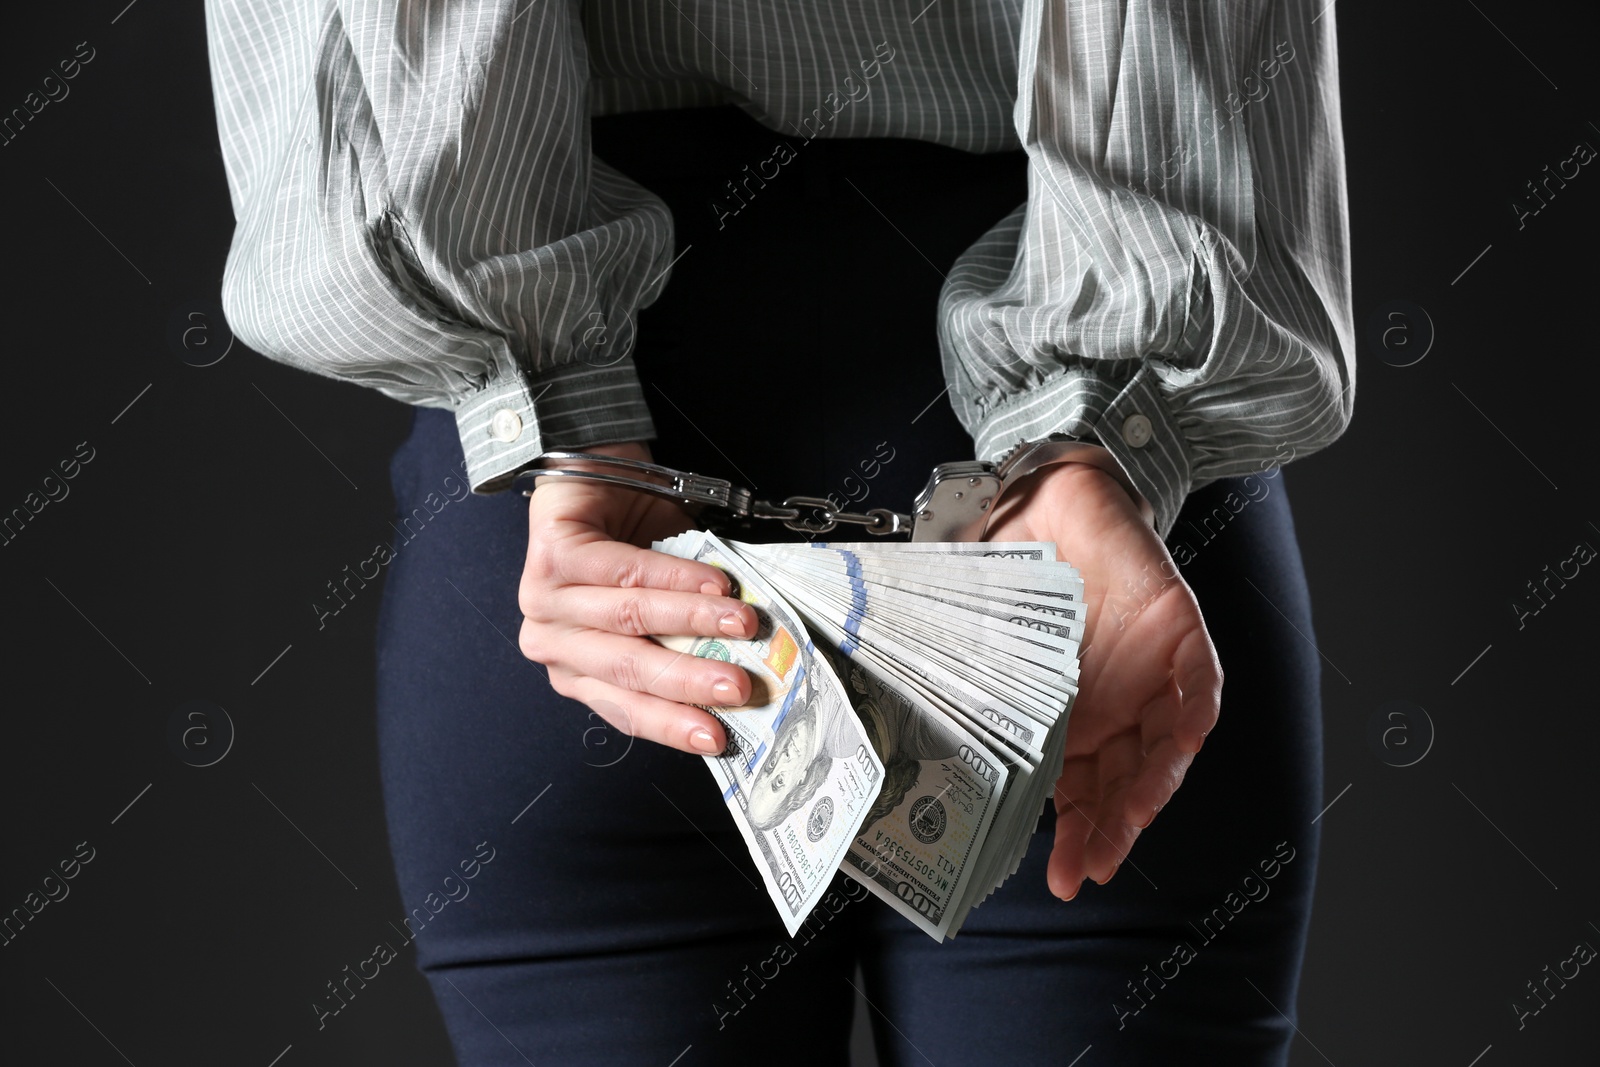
point(702, 740)
point(732, 624)
point(710, 588)
point(726, 692)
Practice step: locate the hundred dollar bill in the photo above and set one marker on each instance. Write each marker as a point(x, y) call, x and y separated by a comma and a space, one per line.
point(962, 667)
point(900, 635)
point(1031, 550)
point(965, 680)
point(933, 608)
point(924, 838)
point(800, 773)
point(925, 834)
point(1054, 609)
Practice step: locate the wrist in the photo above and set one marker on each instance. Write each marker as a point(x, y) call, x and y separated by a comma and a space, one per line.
point(639, 450)
point(1059, 452)
point(1067, 480)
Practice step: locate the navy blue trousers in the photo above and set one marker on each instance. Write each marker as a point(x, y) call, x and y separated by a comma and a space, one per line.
point(580, 897)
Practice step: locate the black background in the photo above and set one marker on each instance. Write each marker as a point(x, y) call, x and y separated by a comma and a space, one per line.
point(183, 562)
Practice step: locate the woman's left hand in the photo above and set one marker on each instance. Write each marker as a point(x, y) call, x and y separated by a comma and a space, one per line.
point(1150, 683)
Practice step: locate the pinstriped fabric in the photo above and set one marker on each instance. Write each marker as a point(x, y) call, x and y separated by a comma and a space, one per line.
point(419, 211)
point(1183, 253)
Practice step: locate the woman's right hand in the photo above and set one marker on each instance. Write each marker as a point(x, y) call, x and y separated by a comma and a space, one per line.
point(591, 592)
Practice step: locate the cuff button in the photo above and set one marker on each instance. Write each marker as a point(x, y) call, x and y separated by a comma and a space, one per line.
point(1136, 431)
point(506, 425)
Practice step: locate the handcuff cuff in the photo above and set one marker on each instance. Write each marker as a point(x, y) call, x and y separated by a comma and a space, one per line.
point(955, 504)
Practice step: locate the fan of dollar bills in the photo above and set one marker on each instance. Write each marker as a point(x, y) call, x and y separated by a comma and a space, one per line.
point(907, 718)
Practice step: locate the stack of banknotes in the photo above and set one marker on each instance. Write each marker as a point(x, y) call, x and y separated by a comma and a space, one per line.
point(907, 718)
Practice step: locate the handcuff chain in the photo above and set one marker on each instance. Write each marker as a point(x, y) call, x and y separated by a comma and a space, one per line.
point(879, 521)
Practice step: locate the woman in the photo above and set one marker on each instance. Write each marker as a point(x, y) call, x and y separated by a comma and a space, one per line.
point(1173, 288)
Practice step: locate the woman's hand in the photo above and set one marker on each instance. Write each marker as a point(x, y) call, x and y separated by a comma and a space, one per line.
point(590, 592)
point(1150, 684)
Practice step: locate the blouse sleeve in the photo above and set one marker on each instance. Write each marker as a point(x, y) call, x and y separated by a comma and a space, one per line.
point(418, 210)
point(1177, 284)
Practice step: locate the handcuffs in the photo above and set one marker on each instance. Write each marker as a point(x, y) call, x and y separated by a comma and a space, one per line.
point(955, 505)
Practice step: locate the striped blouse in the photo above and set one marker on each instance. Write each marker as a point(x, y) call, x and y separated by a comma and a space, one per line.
point(418, 208)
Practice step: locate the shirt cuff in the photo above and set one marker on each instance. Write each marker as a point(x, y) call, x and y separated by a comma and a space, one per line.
point(510, 422)
point(1130, 420)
